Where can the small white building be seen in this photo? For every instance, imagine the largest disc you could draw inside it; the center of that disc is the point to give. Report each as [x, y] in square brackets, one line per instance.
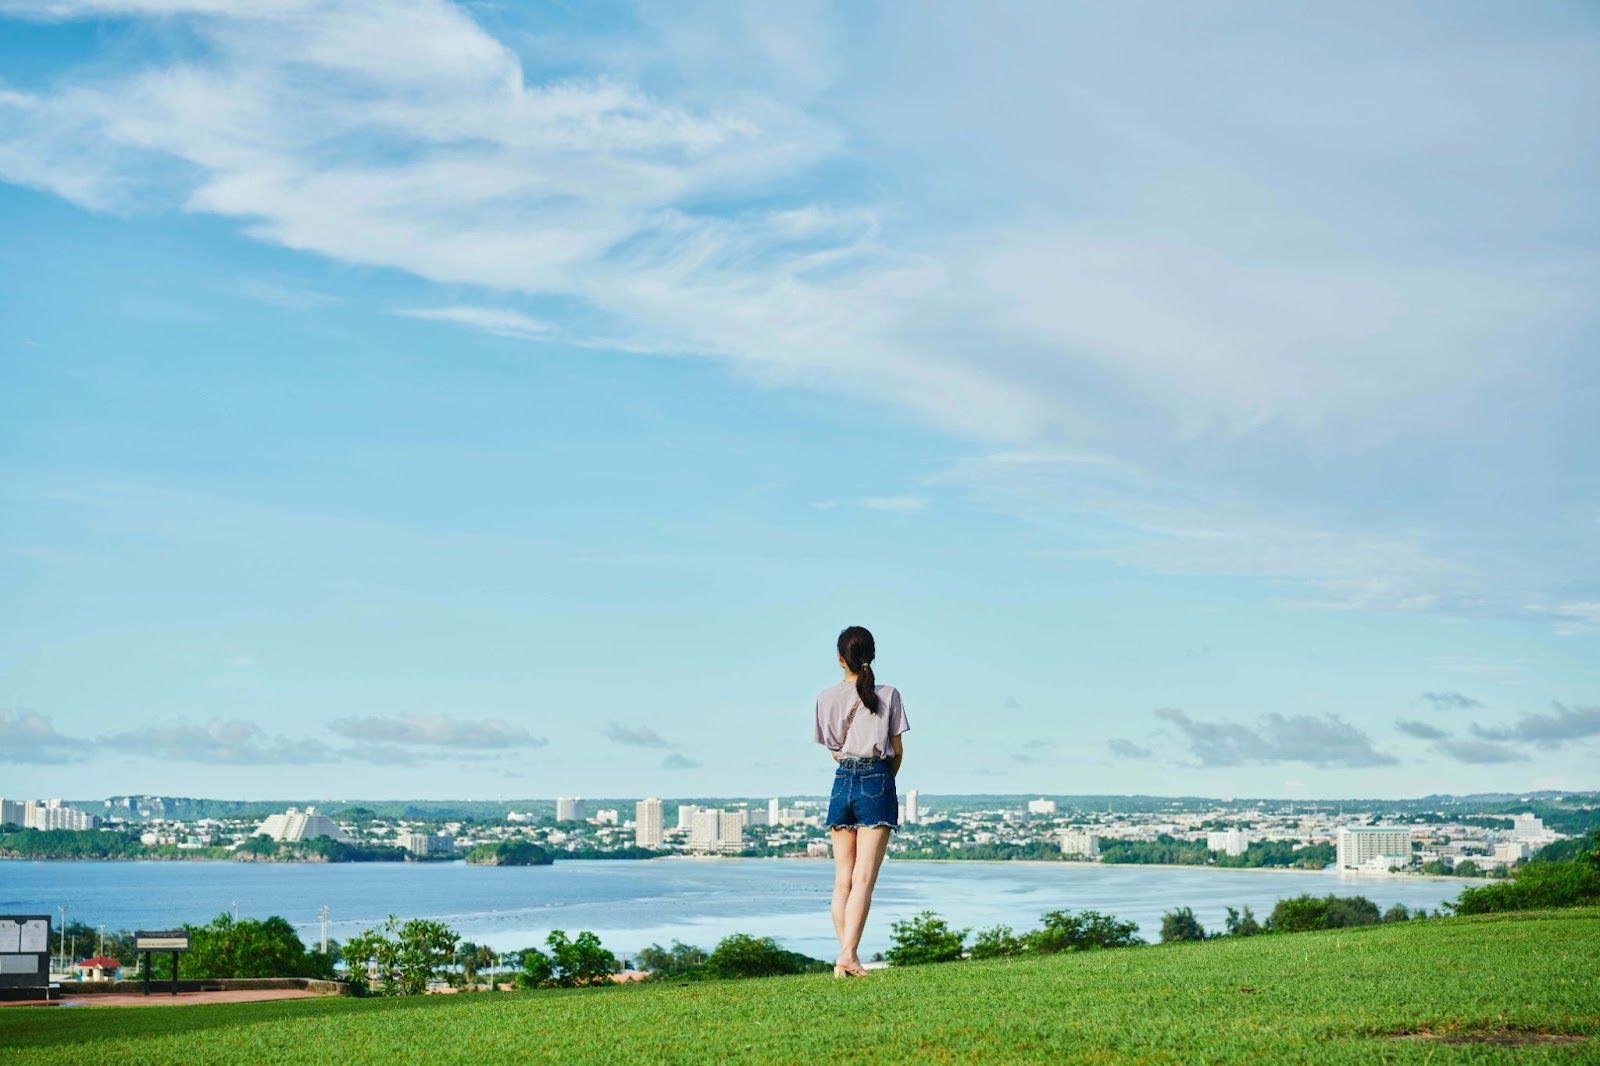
[425, 844]
[570, 809]
[716, 831]
[1228, 841]
[913, 808]
[1041, 806]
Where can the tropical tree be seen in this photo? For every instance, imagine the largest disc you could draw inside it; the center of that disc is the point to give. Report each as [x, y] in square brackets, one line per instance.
[401, 958]
[579, 962]
[1065, 931]
[250, 947]
[680, 960]
[740, 955]
[1181, 924]
[925, 938]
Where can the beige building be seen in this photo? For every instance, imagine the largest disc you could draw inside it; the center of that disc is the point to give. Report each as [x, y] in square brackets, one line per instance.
[647, 831]
[1375, 847]
[295, 824]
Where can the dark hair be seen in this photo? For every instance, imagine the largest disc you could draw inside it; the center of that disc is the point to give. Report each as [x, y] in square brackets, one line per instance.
[858, 651]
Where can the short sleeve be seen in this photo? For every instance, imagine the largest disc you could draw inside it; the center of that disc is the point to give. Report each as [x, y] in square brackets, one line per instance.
[897, 715]
[820, 737]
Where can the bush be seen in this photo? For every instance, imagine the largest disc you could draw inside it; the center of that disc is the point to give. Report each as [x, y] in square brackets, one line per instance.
[401, 958]
[250, 948]
[681, 960]
[1347, 912]
[1180, 925]
[1302, 914]
[1397, 913]
[583, 961]
[740, 955]
[536, 971]
[997, 943]
[1242, 924]
[1065, 931]
[923, 939]
[1536, 886]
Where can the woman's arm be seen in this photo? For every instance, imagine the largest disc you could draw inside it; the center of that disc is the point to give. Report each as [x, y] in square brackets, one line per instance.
[899, 753]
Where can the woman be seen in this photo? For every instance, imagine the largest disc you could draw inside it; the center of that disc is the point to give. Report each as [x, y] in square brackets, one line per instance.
[860, 722]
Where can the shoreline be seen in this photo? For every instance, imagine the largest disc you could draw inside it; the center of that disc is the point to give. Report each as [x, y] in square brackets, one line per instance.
[1374, 877]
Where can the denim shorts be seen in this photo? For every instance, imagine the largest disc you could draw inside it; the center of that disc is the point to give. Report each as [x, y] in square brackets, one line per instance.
[863, 795]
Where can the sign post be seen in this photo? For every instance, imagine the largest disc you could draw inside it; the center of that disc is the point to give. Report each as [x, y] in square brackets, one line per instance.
[24, 955]
[171, 942]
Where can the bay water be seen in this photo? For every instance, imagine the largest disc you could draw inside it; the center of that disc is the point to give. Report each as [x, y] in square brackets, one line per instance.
[634, 903]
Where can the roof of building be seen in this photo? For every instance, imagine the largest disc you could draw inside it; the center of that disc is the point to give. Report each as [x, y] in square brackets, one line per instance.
[101, 961]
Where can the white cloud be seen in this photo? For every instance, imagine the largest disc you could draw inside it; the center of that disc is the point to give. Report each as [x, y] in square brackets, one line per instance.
[501, 323]
[897, 504]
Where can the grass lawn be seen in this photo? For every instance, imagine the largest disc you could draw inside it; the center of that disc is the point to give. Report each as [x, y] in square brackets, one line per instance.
[1333, 997]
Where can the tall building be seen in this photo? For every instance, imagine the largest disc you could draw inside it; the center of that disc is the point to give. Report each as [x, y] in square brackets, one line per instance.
[647, 823]
[421, 844]
[13, 812]
[717, 831]
[53, 814]
[1529, 829]
[569, 809]
[1041, 806]
[295, 824]
[913, 807]
[1074, 842]
[1373, 847]
[1229, 841]
[774, 811]
[686, 813]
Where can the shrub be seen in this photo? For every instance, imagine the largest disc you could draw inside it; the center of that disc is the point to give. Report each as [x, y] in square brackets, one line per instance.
[1397, 913]
[1179, 925]
[740, 955]
[1536, 886]
[680, 960]
[401, 958]
[1345, 912]
[250, 948]
[579, 962]
[1242, 924]
[924, 938]
[1298, 914]
[1065, 931]
[997, 943]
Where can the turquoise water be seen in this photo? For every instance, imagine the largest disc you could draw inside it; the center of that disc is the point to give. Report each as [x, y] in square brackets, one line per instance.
[631, 904]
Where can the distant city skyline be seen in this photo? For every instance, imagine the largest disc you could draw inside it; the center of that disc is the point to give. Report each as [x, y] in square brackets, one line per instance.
[444, 400]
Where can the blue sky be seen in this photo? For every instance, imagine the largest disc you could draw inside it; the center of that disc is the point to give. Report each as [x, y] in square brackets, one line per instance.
[410, 398]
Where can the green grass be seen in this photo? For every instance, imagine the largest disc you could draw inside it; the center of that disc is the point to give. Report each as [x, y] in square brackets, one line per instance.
[1331, 997]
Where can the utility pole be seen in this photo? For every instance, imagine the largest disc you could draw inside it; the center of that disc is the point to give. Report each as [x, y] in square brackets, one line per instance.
[102, 950]
[63, 910]
[236, 911]
[322, 916]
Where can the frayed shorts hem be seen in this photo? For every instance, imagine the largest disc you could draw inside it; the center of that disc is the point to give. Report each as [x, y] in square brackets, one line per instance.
[892, 827]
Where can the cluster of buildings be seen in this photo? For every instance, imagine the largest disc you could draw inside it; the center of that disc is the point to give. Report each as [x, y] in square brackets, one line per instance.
[45, 814]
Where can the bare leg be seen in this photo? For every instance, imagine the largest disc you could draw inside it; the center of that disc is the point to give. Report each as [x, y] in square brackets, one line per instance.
[870, 847]
[844, 862]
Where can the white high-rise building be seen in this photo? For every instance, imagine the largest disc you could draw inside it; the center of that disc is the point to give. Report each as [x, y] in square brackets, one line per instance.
[295, 824]
[54, 814]
[421, 844]
[1229, 841]
[686, 813]
[1041, 806]
[647, 823]
[913, 807]
[715, 830]
[569, 809]
[1374, 847]
[608, 816]
[14, 812]
[1529, 829]
[1075, 842]
[774, 811]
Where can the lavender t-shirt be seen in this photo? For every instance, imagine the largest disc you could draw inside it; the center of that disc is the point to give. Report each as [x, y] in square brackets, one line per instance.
[869, 733]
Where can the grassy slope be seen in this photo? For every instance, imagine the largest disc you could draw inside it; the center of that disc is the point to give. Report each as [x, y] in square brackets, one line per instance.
[1312, 997]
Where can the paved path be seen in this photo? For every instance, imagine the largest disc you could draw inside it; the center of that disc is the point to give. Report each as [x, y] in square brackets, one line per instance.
[182, 999]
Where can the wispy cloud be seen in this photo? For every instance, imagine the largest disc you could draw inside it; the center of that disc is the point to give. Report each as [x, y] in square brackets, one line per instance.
[31, 737]
[231, 742]
[499, 322]
[1421, 730]
[677, 761]
[1478, 752]
[1450, 701]
[1550, 730]
[898, 504]
[1127, 749]
[436, 731]
[1325, 741]
[637, 737]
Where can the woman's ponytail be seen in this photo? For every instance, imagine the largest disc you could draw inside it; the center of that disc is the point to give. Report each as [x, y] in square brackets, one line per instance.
[857, 649]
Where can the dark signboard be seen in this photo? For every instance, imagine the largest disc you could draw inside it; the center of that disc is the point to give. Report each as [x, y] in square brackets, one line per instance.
[25, 952]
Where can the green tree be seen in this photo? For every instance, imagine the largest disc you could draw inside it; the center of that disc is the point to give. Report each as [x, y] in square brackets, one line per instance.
[924, 938]
[1536, 886]
[1397, 913]
[250, 947]
[997, 943]
[579, 962]
[1242, 924]
[740, 955]
[536, 971]
[1181, 924]
[680, 960]
[1065, 931]
[1467, 868]
[402, 958]
[1298, 914]
[1346, 912]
